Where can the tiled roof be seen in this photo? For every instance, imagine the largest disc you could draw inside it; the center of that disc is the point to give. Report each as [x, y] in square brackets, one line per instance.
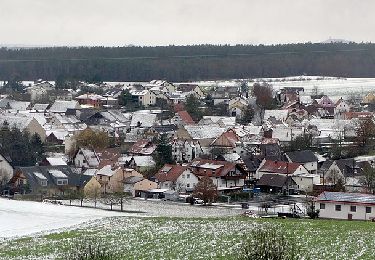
[185, 117]
[280, 167]
[143, 146]
[302, 156]
[204, 167]
[170, 172]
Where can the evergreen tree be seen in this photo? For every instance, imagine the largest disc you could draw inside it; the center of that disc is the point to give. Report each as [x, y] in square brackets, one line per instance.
[192, 106]
[163, 153]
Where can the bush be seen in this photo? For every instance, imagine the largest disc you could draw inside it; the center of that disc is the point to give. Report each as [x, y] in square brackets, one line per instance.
[268, 243]
[91, 250]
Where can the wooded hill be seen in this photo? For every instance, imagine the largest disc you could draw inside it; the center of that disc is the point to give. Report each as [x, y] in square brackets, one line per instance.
[185, 63]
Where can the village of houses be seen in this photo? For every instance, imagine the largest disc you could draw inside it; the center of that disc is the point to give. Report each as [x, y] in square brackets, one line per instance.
[240, 158]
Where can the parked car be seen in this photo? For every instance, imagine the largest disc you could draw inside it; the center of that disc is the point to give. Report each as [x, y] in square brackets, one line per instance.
[198, 201]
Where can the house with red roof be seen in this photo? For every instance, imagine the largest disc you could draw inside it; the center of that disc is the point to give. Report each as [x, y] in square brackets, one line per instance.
[142, 147]
[227, 140]
[176, 177]
[225, 175]
[183, 118]
[304, 181]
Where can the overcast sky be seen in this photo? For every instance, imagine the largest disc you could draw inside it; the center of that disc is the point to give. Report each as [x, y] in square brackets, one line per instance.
[182, 22]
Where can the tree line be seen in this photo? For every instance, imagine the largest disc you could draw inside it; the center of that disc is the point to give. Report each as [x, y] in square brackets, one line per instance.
[185, 63]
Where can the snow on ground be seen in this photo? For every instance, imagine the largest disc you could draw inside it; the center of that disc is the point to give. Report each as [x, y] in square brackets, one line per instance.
[331, 86]
[19, 218]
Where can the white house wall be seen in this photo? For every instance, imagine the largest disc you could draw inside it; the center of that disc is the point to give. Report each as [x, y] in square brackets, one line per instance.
[330, 211]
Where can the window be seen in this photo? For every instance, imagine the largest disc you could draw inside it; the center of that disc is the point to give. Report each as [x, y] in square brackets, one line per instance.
[188, 185]
[368, 209]
[43, 183]
[353, 208]
[183, 176]
[188, 176]
[322, 206]
[338, 207]
[62, 182]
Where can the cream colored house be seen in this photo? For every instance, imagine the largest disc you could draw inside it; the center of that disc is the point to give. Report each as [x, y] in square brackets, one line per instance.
[145, 97]
[92, 188]
[136, 184]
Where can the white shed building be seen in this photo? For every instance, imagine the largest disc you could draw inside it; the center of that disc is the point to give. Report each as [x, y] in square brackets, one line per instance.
[344, 205]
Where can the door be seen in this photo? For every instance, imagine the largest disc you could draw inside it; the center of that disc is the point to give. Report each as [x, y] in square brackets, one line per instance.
[350, 216]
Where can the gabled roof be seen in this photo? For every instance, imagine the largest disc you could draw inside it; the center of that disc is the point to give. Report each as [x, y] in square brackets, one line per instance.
[109, 156]
[143, 147]
[204, 167]
[204, 131]
[61, 106]
[133, 179]
[272, 180]
[279, 167]
[40, 107]
[90, 156]
[226, 139]
[36, 174]
[170, 172]
[145, 119]
[185, 117]
[21, 122]
[302, 156]
[55, 161]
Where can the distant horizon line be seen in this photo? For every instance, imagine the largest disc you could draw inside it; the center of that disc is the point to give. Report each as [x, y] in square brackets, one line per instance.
[31, 46]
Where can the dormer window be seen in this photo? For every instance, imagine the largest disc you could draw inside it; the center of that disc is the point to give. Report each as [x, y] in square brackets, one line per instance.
[61, 182]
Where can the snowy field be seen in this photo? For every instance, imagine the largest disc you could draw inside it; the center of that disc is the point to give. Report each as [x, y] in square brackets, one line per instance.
[19, 218]
[337, 87]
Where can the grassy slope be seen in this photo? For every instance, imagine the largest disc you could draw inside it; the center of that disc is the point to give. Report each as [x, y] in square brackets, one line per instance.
[178, 238]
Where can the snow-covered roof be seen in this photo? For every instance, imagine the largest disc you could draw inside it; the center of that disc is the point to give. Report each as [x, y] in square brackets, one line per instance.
[144, 118]
[56, 161]
[277, 114]
[57, 174]
[40, 176]
[40, 107]
[106, 171]
[61, 106]
[19, 121]
[90, 172]
[14, 104]
[60, 134]
[204, 131]
[286, 134]
[225, 120]
[141, 161]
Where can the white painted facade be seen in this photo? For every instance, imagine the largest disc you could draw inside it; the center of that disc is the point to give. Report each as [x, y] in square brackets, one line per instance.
[6, 171]
[186, 181]
[223, 183]
[341, 108]
[339, 210]
[186, 151]
[306, 182]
